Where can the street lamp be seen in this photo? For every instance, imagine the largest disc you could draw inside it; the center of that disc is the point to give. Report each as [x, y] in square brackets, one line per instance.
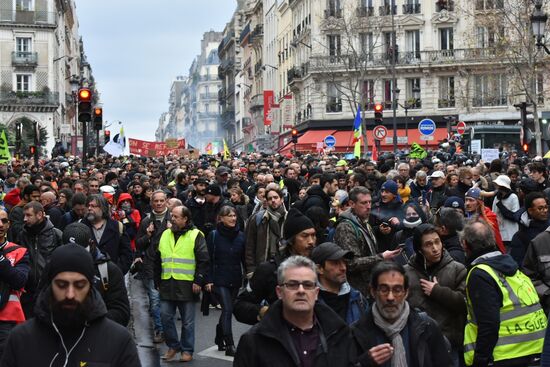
[74, 81]
[538, 22]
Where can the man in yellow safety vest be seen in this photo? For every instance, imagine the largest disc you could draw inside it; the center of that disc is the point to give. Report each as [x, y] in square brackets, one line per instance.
[506, 324]
[180, 273]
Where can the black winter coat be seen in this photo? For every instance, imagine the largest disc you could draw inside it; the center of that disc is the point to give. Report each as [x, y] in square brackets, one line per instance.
[316, 197]
[103, 343]
[269, 344]
[147, 246]
[114, 244]
[454, 248]
[115, 295]
[427, 346]
[226, 257]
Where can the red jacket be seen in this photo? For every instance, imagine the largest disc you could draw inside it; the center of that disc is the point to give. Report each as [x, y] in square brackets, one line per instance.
[493, 221]
[131, 221]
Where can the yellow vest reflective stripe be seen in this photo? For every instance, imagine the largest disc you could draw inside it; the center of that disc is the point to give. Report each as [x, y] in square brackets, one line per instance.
[522, 320]
[178, 259]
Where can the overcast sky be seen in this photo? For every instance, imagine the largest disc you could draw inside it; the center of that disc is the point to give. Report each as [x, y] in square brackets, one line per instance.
[137, 47]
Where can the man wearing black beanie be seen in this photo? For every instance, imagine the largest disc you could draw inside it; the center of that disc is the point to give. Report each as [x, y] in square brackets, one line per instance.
[299, 238]
[70, 326]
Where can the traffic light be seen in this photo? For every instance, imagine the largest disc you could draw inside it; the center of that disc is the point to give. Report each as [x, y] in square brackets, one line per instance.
[378, 114]
[98, 118]
[32, 150]
[84, 105]
[107, 136]
[525, 148]
[294, 136]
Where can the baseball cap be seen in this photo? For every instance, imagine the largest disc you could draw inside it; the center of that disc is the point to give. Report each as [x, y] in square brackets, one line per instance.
[437, 174]
[473, 193]
[214, 190]
[454, 202]
[329, 251]
[222, 170]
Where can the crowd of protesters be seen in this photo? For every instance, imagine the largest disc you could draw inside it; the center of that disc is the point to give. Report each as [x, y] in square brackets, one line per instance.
[442, 260]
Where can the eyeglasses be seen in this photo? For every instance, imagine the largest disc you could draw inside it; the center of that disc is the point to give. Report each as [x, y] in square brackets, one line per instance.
[294, 285]
[385, 290]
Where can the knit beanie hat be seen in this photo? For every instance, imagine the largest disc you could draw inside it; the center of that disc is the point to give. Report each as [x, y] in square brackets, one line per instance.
[77, 233]
[110, 176]
[71, 258]
[295, 223]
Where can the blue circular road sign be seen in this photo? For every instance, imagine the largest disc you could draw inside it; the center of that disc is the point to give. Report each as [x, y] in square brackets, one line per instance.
[330, 141]
[426, 127]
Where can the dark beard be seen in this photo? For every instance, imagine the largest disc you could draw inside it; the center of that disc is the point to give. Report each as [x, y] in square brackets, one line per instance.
[69, 314]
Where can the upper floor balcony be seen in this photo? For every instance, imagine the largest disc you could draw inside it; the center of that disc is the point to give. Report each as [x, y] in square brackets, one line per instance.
[35, 101]
[211, 96]
[335, 13]
[26, 17]
[19, 58]
[388, 10]
[257, 102]
[326, 63]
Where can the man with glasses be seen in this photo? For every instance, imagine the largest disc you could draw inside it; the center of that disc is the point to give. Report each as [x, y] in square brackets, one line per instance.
[297, 330]
[533, 220]
[392, 332]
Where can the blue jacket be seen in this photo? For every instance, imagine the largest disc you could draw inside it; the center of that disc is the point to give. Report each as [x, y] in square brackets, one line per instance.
[226, 259]
[357, 304]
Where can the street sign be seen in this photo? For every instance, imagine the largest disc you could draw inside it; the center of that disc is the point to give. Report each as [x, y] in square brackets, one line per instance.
[426, 127]
[426, 137]
[461, 127]
[379, 132]
[330, 141]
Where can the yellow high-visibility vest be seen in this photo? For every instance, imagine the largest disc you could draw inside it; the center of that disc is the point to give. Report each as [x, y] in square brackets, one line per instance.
[522, 320]
[178, 258]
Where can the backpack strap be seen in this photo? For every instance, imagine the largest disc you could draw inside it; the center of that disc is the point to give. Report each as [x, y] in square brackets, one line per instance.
[354, 226]
[104, 275]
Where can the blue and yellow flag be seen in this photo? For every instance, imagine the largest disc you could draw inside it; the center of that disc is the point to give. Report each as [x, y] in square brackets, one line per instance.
[357, 134]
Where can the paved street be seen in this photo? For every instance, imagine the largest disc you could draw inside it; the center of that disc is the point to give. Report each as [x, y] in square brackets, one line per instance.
[206, 352]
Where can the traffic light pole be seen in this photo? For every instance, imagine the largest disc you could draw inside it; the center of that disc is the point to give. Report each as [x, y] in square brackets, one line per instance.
[35, 124]
[97, 143]
[84, 141]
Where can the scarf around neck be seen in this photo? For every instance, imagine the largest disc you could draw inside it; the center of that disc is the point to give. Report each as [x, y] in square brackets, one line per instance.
[393, 332]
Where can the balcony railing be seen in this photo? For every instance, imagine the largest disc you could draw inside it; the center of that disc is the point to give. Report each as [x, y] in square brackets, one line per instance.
[336, 13]
[387, 10]
[490, 101]
[384, 59]
[19, 58]
[209, 77]
[411, 8]
[228, 117]
[221, 95]
[208, 115]
[44, 18]
[293, 75]
[446, 103]
[365, 11]
[257, 102]
[29, 98]
[208, 96]
[257, 33]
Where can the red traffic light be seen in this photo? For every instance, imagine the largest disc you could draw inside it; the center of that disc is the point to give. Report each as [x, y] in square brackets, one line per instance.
[32, 149]
[526, 147]
[107, 133]
[98, 111]
[84, 95]
[294, 132]
[378, 107]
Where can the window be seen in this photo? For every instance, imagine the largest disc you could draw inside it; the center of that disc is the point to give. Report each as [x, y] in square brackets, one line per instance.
[446, 38]
[446, 92]
[25, 5]
[368, 94]
[412, 39]
[367, 45]
[334, 46]
[206, 108]
[390, 51]
[23, 44]
[334, 99]
[413, 93]
[388, 8]
[490, 90]
[411, 7]
[388, 95]
[23, 82]
[489, 4]
[487, 37]
[333, 9]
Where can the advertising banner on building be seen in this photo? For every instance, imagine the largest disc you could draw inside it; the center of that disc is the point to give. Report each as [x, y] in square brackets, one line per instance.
[288, 122]
[268, 105]
[155, 148]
